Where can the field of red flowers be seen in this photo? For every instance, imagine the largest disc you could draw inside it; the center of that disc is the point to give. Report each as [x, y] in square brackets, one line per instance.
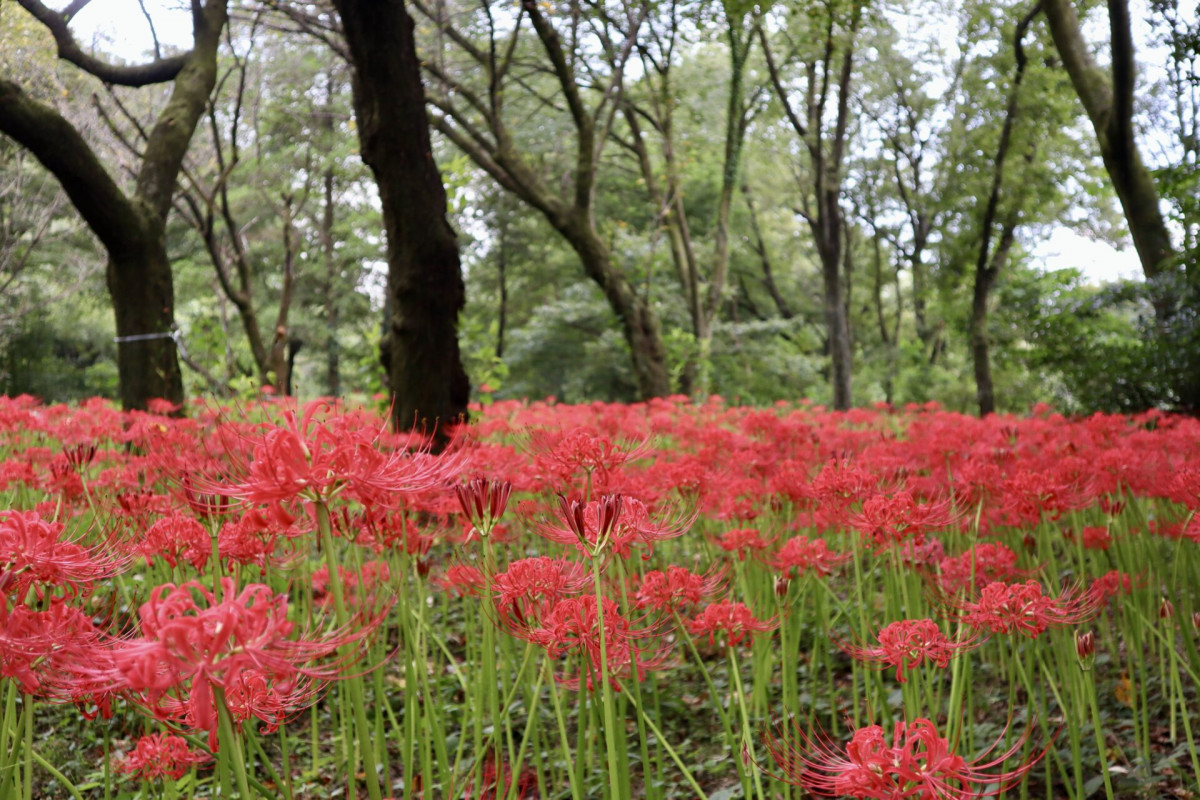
[654, 601]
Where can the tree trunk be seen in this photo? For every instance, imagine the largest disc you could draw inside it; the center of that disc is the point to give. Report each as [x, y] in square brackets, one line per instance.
[1109, 106]
[639, 323]
[143, 298]
[132, 229]
[988, 263]
[425, 373]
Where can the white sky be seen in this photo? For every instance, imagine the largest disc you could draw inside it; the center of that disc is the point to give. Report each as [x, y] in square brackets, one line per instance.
[118, 26]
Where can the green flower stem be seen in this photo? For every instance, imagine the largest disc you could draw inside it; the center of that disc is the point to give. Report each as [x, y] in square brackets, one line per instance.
[747, 740]
[1098, 732]
[231, 755]
[363, 743]
[687, 774]
[564, 741]
[617, 788]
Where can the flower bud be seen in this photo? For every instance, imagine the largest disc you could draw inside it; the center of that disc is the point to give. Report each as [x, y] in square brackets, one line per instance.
[1166, 610]
[782, 584]
[1085, 649]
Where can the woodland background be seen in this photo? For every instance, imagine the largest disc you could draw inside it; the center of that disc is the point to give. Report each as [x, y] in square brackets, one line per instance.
[825, 199]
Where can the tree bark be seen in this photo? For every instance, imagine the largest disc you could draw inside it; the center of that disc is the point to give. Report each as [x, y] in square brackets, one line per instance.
[988, 264]
[429, 386]
[474, 122]
[131, 228]
[1109, 106]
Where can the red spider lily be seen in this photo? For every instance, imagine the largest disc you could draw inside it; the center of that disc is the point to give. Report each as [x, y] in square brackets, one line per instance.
[531, 587]
[586, 526]
[80, 455]
[463, 580]
[677, 589]
[1096, 537]
[318, 458]
[571, 628]
[177, 537]
[188, 649]
[1111, 584]
[359, 588]
[732, 621]
[894, 519]
[44, 650]
[563, 455]
[800, 554]
[160, 755]
[612, 524]
[494, 771]
[977, 567]
[743, 541]
[918, 763]
[909, 643]
[483, 502]
[1023, 608]
[35, 556]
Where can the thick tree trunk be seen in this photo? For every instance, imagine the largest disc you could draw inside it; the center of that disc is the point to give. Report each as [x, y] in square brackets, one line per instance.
[132, 229]
[425, 373]
[143, 298]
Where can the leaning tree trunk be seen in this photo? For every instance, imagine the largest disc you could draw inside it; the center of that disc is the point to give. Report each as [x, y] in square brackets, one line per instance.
[425, 373]
[132, 228]
[639, 323]
[1109, 106]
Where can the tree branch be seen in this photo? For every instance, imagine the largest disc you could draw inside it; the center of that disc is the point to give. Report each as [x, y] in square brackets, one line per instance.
[160, 70]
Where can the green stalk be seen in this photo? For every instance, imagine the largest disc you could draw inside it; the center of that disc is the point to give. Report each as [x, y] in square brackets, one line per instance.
[364, 742]
[1098, 732]
[564, 741]
[618, 790]
[687, 774]
[747, 741]
[232, 747]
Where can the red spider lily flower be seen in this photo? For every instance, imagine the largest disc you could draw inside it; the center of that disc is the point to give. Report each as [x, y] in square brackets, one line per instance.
[463, 580]
[562, 455]
[80, 455]
[1111, 584]
[1095, 537]
[909, 643]
[977, 567]
[677, 589]
[586, 526]
[160, 755]
[177, 537]
[483, 502]
[1085, 649]
[637, 526]
[358, 588]
[493, 773]
[189, 649]
[530, 587]
[894, 519]
[733, 621]
[917, 763]
[35, 556]
[318, 458]
[800, 554]
[571, 629]
[743, 541]
[1023, 608]
[52, 653]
